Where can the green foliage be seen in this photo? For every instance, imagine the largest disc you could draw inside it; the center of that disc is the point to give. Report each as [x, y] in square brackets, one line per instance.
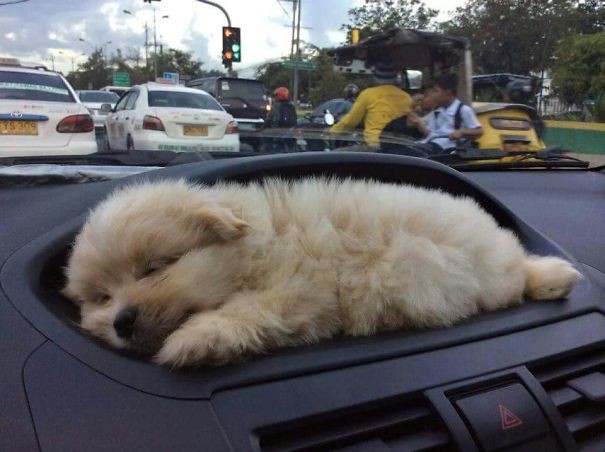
[520, 36]
[579, 69]
[96, 72]
[325, 82]
[318, 85]
[380, 15]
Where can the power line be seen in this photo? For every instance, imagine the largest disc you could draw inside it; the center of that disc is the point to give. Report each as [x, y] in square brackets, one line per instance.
[14, 2]
[283, 9]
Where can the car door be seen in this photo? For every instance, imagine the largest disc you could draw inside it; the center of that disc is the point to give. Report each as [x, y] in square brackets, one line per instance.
[114, 126]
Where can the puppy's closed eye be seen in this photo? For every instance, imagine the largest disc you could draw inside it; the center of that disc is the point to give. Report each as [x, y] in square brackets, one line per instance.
[103, 298]
[156, 265]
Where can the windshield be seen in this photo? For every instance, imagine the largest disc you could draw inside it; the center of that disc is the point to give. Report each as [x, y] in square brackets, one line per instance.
[27, 86]
[242, 89]
[98, 97]
[514, 83]
[181, 100]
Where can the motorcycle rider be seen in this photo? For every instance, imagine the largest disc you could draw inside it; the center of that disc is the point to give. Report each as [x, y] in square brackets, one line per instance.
[350, 93]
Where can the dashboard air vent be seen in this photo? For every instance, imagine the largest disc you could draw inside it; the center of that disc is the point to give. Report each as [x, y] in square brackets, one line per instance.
[576, 386]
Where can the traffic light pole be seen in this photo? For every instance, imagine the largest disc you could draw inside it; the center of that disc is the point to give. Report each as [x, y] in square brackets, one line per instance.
[216, 5]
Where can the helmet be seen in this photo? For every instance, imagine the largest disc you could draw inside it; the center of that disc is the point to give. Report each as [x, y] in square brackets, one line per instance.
[282, 93]
[351, 90]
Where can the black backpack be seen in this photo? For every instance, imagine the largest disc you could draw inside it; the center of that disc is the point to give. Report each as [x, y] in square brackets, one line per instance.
[286, 115]
[458, 116]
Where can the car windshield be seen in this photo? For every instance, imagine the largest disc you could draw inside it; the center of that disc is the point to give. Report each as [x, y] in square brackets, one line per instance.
[181, 99]
[36, 87]
[241, 89]
[473, 84]
[99, 97]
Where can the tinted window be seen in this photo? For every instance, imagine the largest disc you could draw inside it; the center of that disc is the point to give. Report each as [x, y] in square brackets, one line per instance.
[43, 87]
[243, 89]
[102, 97]
[132, 98]
[182, 99]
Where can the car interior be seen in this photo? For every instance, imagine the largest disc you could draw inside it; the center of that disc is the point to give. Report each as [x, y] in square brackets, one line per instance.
[542, 363]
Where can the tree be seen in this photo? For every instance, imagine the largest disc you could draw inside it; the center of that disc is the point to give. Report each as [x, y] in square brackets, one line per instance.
[93, 73]
[379, 15]
[579, 68]
[520, 36]
[178, 61]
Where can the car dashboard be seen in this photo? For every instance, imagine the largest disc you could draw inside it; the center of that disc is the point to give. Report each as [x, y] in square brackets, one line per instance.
[525, 378]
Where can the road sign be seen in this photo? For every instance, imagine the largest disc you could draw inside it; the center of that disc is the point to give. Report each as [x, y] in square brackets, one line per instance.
[300, 65]
[121, 79]
[173, 76]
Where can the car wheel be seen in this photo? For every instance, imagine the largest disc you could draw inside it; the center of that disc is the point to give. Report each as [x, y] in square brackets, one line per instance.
[129, 143]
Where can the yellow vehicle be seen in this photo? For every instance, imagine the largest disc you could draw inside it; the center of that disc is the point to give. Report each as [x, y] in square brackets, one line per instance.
[508, 127]
[512, 131]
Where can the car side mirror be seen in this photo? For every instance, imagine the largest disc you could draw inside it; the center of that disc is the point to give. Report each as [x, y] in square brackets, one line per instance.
[106, 108]
[329, 118]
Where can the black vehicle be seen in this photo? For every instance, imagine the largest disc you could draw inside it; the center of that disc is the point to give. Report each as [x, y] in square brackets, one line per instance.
[508, 88]
[316, 117]
[244, 99]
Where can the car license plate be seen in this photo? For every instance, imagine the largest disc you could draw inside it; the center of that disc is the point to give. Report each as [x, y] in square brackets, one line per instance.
[195, 131]
[18, 128]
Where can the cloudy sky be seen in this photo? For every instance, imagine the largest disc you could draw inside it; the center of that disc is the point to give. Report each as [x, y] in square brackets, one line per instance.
[40, 29]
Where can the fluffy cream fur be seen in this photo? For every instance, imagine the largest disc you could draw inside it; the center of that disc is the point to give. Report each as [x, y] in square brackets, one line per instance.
[217, 273]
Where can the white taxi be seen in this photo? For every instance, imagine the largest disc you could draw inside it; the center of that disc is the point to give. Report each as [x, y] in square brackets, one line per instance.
[162, 117]
[40, 114]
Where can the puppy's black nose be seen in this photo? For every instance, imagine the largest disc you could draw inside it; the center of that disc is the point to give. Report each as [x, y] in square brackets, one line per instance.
[124, 322]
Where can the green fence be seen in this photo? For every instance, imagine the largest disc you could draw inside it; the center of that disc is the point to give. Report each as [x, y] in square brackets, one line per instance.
[583, 137]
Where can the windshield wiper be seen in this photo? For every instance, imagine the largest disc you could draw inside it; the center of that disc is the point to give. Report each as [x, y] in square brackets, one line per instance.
[466, 159]
[129, 158]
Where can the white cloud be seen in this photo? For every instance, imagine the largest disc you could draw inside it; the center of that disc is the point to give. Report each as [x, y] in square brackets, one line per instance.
[190, 26]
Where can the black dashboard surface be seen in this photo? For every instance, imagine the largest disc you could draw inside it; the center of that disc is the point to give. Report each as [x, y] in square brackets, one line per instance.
[57, 384]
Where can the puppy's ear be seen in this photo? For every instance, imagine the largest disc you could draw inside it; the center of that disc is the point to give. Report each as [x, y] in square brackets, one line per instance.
[222, 221]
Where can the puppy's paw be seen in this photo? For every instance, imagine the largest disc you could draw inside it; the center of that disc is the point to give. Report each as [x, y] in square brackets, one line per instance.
[550, 278]
[200, 343]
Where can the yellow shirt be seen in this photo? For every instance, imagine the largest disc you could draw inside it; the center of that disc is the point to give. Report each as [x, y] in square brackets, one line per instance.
[376, 106]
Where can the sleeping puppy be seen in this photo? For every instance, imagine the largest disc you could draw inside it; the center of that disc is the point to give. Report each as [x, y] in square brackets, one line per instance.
[198, 275]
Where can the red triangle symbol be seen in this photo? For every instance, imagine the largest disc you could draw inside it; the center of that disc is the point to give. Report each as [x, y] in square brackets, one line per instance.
[508, 419]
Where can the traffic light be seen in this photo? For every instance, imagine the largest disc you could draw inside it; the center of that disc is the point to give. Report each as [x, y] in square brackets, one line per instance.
[355, 35]
[232, 46]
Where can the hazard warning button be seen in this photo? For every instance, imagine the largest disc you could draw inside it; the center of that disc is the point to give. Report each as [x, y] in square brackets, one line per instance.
[503, 417]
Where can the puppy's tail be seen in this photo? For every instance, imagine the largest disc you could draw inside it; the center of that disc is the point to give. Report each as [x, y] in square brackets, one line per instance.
[549, 278]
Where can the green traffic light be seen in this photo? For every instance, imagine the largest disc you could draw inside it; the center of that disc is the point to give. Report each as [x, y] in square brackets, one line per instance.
[235, 47]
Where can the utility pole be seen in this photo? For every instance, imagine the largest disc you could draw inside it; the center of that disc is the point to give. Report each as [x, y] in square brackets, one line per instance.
[155, 49]
[298, 55]
[146, 45]
[293, 29]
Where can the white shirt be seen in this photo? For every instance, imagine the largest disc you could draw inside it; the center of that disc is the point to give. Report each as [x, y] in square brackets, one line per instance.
[442, 121]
